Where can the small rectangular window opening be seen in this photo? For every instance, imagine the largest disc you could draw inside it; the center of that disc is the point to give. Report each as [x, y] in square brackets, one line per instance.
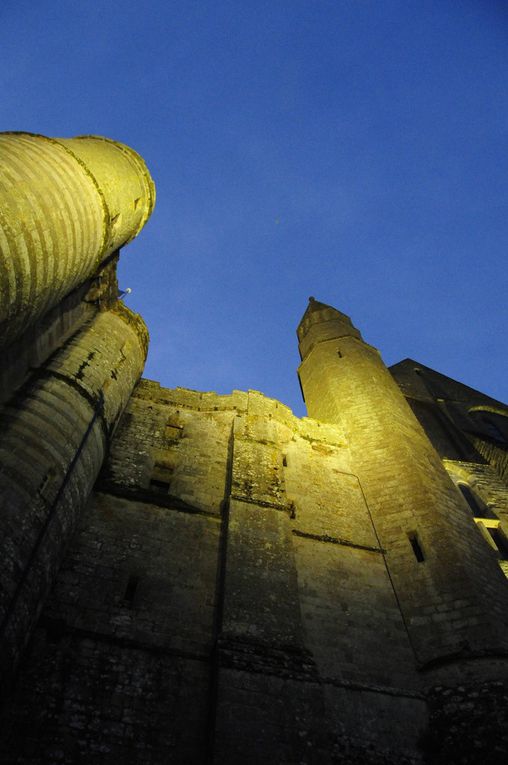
[415, 544]
[159, 487]
[284, 461]
[339, 354]
[160, 480]
[46, 482]
[130, 590]
[173, 432]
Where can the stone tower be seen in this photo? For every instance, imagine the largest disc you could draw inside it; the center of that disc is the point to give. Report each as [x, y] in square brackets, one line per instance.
[71, 352]
[419, 518]
[198, 578]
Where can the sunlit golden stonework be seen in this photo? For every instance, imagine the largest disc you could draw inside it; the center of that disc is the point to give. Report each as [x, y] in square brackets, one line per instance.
[196, 578]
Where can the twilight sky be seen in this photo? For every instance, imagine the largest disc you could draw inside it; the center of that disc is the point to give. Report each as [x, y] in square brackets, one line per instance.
[354, 150]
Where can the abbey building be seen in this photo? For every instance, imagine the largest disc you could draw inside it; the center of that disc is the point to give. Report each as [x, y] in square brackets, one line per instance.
[195, 578]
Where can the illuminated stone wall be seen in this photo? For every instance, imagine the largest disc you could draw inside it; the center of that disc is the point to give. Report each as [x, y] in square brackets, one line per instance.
[71, 353]
[228, 596]
[65, 205]
[54, 437]
[229, 553]
[452, 594]
[189, 577]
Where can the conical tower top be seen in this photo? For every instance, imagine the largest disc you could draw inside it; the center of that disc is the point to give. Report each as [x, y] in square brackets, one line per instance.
[322, 322]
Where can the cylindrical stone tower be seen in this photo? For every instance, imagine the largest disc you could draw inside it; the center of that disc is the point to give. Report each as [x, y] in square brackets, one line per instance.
[71, 351]
[65, 205]
[451, 592]
[54, 436]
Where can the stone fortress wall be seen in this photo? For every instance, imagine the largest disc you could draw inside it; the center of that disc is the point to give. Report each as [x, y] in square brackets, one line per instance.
[195, 578]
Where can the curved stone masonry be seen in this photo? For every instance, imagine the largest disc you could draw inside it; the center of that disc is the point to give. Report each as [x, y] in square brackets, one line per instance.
[455, 603]
[55, 434]
[65, 205]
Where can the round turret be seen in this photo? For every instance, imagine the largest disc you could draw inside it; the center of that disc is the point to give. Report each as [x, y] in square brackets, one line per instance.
[65, 206]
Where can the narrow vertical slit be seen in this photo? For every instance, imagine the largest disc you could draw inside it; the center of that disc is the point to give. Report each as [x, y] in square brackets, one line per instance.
[130, 590]
[415, 544]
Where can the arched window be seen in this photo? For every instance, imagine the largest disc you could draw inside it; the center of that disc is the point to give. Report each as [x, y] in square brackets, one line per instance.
[492, 424]
[478, 509]
[493, 429]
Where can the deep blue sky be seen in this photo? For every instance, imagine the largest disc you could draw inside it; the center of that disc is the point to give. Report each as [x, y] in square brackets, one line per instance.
[354, 150]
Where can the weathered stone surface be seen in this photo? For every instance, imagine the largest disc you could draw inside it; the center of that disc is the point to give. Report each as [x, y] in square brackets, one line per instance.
[457, 595]
[54, 436]
[83, 699]
[65, 205]
[240, 585]
[468, 724]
